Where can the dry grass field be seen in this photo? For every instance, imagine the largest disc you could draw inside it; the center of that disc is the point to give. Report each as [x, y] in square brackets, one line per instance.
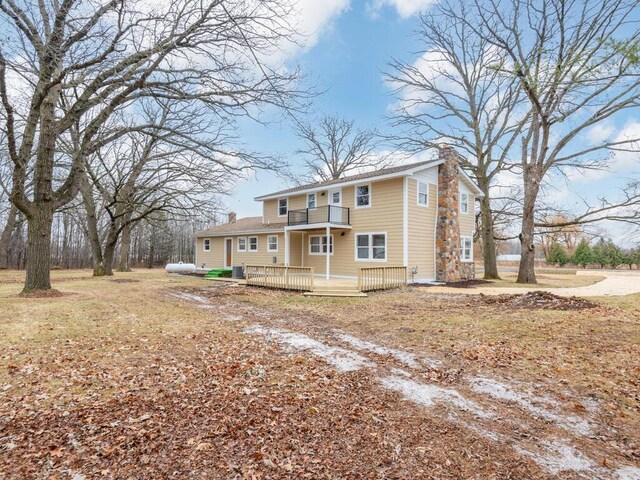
[146, 375]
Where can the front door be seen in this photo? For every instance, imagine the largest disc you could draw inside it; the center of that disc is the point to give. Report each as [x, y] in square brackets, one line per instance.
[335, 200]
[228, 248]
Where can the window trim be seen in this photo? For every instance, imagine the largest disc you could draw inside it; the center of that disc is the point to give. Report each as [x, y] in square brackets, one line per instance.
[249, 244]
[206, 244]
[355, 195]
[370, 247]
[467, 203]
[462, 240]
[418, 182]
[286, 199]
[331, 248]
[269, 249]
[241, 250]
[315, 200]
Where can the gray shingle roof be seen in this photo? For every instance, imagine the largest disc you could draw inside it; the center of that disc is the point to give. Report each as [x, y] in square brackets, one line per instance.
[240, 226]
[351, 178]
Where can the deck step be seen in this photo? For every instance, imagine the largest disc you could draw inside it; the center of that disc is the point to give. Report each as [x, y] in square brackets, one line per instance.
[335, 293]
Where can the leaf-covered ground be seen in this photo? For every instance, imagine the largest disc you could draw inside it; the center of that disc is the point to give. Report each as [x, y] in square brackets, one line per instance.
[171, 377]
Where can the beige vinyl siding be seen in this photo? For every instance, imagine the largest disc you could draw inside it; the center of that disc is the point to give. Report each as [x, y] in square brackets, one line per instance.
[296, 202]
[215, 258]
[421, 229]
[384, 215]
[468, 220]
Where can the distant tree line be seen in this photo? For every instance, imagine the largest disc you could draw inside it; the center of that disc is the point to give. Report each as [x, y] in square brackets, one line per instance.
[604, 253]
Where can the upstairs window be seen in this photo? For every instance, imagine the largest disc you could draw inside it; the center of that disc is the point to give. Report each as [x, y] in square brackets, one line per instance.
[311, 200]
[464, 203]
[242, 244]
[466, 249]
[363, 196]
[283, 207]
[423, 193]
[272, 243]
[206, 244]
[253, 244]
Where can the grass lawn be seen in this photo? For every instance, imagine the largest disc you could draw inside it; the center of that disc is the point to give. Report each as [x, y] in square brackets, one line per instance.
[135, 377]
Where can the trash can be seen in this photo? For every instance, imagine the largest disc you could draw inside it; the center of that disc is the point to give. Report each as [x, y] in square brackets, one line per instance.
[237, 272]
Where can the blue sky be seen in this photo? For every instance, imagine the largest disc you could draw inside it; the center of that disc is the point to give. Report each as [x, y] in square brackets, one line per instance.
[346, 63]
[349, 43]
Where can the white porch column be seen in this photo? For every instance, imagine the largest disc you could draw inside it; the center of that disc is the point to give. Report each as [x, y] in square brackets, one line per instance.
[286, 247]
[328, 252]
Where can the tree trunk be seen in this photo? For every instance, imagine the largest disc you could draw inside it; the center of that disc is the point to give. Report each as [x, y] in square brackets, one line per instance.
[39, 228]
[92, 229]
[5, 238]
[526, 271]
[125, 246]
[110, 248]
[488, 239]
[109, 255]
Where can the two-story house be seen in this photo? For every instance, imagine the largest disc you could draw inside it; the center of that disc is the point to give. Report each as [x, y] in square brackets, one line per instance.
[421, 216]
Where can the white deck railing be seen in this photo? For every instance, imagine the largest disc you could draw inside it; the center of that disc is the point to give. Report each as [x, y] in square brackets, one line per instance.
[278, 276]
[381, 278]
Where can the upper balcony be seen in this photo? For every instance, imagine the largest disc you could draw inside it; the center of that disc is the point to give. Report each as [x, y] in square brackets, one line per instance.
[328, 214]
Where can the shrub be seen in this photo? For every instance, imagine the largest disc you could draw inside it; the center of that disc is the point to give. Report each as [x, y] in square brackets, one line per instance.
[583, 254]
[557, 255]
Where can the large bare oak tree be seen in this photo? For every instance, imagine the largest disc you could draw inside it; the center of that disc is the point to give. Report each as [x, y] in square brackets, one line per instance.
[578, 63]
[455, 93]
[334, 148]
[79, 62]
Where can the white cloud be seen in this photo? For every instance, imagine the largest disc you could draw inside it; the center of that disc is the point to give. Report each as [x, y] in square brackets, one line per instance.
[404, 8]
[310, 19]
[622, 163]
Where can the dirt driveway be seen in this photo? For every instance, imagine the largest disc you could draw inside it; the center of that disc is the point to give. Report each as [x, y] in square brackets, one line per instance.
[558, 435]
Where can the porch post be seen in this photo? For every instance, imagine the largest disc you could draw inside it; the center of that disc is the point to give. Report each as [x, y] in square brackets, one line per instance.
[286, 247]
[328, 252]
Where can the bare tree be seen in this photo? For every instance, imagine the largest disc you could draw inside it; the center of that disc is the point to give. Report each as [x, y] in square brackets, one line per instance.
[577, 62]
[334, 148]
[158, 173]
[455, 93]
[79, 62]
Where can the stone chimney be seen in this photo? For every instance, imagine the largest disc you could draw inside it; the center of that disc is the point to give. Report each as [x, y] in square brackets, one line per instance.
[448, 264]
[232, 217]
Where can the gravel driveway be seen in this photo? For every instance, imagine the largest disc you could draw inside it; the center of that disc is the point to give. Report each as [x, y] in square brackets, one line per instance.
[616, 283]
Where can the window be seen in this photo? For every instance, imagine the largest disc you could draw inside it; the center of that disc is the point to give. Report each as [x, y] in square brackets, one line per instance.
[206, 245]
[242, 244]
[283, 207]
[466, 249]
[318, 245]
[371, 247]
[423, 193]
[335, 198]
[363, 196]
[253, 244]
[272, 243]
[311, 200]
[464, 203]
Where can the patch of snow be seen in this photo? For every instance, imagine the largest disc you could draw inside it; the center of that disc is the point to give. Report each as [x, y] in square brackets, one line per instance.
[197, 299]
[495, 389]
[628, 473]
[342, 359]
[559, 457]
[405, 357]
[399, 371]
[428, 395]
